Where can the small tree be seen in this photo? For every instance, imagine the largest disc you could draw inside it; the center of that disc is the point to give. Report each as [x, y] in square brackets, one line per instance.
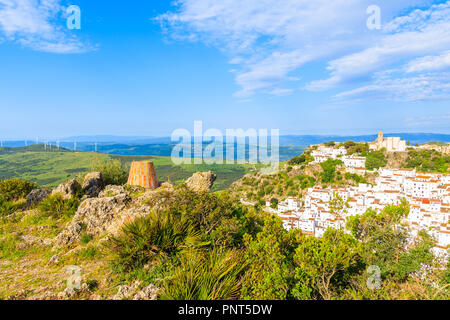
[269, 274]
[273, 203]
[324, 264]
[339, 207]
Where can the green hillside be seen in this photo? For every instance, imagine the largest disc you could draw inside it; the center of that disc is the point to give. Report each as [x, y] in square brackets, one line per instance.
[51, 167]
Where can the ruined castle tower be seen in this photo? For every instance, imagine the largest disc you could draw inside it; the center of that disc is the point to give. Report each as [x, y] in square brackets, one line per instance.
[143, 174]
[380, 137]
[380, 140]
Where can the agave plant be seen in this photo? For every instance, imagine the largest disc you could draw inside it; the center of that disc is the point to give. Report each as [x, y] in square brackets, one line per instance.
[151, 239]
[213, 274]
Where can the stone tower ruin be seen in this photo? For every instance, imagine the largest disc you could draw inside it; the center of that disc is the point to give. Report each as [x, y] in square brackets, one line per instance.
[143, 174]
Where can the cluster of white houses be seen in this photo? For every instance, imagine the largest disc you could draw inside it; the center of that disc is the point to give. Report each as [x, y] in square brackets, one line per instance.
[427, 194]
[353, 163]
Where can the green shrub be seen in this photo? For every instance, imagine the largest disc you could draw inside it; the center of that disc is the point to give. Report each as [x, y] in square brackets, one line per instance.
[375, 159]
[56, 206]
[15, 189]
[9, 207]
[113, 171]
[329, 170]
[150, 238]
[270, 263]
[92, 285]
[211, 275]
[428, 161]
[85, 238]
[88, 253]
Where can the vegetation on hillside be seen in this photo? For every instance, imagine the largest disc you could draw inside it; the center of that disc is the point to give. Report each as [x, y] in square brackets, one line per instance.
[428, 161]
[210, 246]
[259, 259]
[49, 168]
[375, 159]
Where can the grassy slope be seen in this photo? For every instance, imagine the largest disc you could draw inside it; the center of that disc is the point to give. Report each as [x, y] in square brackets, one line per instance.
[49, 168]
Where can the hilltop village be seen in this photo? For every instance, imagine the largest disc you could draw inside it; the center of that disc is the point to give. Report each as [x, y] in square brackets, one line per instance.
[427, 193]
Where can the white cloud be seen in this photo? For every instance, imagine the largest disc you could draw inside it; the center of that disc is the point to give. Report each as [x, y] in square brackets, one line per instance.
[424, 121]
[421, 32]
[429, 63]
[38, 24]
[430, 86]
[268, 41]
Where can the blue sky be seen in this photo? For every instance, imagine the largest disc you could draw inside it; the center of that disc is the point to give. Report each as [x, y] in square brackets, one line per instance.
[148, 67]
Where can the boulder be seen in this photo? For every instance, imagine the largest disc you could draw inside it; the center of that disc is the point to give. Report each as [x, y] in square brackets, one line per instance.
[93, 184]
[68, 189]
[201, 181]
[103, 215]
[36, 196]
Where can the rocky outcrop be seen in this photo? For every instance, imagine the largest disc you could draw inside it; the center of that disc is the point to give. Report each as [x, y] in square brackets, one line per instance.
[103, 215]
[93, 184]
[28, 241]
[36, 196]
[112, 191]
[115, 206]
[68, 189]
[201, 181]
[132, 292]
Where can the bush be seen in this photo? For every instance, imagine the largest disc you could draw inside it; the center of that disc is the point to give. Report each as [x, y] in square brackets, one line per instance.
[150, 238]
[9, 207]
[353, 147]
[325, 264]
[15, 189]
[211, 275]
[375, 160]
[428, 161]
[269, 255]
[56, 206]
[86, 238]
[329, 170]
[113, 171]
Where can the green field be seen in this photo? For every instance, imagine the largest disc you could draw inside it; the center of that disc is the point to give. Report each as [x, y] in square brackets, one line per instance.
[51, 167]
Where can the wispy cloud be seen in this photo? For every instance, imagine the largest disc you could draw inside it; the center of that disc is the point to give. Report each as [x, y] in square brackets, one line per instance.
[423, 121]
[424, 87]
[39, 25]
[422, 32]
[268, 44]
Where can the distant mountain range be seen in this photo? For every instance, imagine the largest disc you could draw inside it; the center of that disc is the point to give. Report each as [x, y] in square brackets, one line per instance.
[290, 145]
[286, 140]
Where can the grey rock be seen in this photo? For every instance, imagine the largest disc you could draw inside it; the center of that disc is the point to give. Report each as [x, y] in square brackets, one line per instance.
[53, 260]
[132, 292]
[112, 191]
[68, 189]
[201, 181]
[93, 184]
[36, 196]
